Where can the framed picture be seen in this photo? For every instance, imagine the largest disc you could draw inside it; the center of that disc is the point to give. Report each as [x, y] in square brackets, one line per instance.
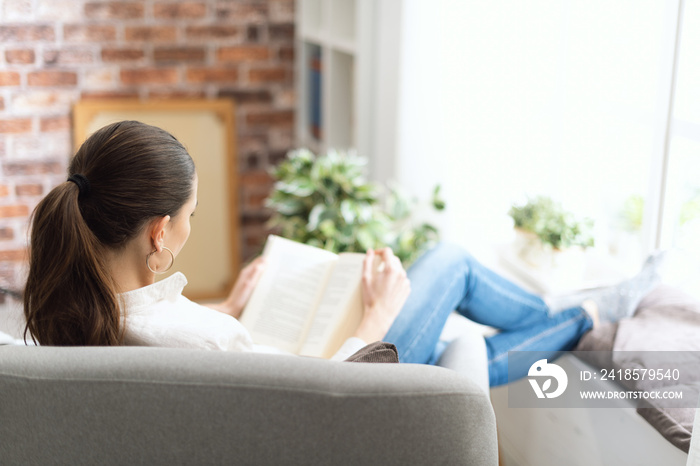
[211, 258]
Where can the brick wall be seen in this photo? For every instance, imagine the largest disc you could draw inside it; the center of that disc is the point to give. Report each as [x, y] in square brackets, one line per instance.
[54, 52]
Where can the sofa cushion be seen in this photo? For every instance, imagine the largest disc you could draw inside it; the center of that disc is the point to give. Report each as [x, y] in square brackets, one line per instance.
[666, 320]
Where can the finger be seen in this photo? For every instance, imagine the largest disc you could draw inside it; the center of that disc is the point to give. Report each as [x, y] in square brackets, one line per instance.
[260, 265]
[386, 256]
[384, 252]
[367, 295]
[256, 262]
[253, 264]
[394, 264]
[367, 266]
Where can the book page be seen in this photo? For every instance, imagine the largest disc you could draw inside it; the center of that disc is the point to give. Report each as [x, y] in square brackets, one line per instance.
[280, 309]
[340, 309]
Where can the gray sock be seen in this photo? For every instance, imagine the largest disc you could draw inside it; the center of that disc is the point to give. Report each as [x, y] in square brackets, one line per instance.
[618, 301]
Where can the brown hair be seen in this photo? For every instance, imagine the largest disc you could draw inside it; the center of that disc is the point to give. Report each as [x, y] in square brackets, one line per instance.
[135, 173]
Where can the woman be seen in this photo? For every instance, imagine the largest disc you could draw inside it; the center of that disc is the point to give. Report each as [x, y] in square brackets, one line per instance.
[98, 240]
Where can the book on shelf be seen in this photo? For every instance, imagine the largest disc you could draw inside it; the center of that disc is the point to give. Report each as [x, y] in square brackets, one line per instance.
[315, 83]
[308, 301]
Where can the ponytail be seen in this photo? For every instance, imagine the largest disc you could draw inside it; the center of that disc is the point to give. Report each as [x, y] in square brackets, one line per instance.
[122, 177]
[70, 298]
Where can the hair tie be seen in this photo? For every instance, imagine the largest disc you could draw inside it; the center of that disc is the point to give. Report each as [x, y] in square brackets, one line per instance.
[82, 182]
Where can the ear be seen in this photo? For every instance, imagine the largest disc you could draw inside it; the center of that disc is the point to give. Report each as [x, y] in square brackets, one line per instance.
[158, 232]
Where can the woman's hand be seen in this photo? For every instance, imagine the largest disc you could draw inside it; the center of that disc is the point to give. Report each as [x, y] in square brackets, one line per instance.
[384, 292]
[242, 289]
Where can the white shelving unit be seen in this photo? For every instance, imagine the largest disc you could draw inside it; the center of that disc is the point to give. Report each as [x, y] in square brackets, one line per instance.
[326, 73]
[352, 46]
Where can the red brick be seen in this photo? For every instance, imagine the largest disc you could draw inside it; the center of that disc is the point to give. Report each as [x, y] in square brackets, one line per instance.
[212, 32]
[20, 56]
[122, 55]
[254, 238]
[149, 76]
[243, 53]
[250, 162]
[15, 255]
[109, 95]
[57, 123]
[179, 54]
[114, 10]
[168, 94]
[276, 157]
[52, 78]
[8, 211]
[286, 53]
[284, 32]
[17, 125]
[271, 118]
[89, 33]
[256, 178]
[244, 12]
[208, 75]
[247, 96]
[4, 190]
[26, 167]
[256, 200]
[151, 33]
[29, 190]
[180, 10]
[267, 75]
[68, 56]
[253, 33]
[7, 234]
[9, 78]
[26, 33]
[252, 143]
[2, 105]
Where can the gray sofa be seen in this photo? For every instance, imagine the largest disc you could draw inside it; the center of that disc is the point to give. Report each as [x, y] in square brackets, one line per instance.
[137, 405]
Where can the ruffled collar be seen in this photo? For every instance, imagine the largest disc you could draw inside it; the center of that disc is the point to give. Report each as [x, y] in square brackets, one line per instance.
[167, 289]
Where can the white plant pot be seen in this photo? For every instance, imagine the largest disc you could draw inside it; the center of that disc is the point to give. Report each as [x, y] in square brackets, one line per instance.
[561, 268]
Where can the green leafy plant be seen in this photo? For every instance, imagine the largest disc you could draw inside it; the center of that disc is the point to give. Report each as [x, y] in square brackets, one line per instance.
[632, 213]
[690, 210]
[326, 202]
[552, 224]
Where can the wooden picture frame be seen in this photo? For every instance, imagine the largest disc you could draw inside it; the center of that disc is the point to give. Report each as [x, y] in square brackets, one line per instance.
[211, 258]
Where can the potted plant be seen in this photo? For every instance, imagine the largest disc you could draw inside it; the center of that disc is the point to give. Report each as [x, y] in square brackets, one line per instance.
[551, 239]
[325, 201]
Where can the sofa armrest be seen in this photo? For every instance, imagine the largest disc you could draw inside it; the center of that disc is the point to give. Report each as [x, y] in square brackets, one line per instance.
[467, 356]
[174, 406]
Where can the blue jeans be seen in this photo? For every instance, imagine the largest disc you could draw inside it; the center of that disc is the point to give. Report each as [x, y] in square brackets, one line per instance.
[447, 278]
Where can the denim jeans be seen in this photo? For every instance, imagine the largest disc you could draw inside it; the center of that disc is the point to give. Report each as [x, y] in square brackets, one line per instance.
[447, 278]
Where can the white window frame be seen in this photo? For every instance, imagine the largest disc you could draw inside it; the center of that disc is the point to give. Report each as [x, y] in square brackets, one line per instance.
[666, 127]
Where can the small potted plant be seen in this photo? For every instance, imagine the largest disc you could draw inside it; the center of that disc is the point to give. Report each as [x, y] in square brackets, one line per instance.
[550, 238]
[326, 202]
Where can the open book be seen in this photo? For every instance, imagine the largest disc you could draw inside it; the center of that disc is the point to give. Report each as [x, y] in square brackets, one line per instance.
[308, 301]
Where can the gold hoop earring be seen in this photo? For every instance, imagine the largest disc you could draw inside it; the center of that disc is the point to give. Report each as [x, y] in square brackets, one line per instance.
[172, 261]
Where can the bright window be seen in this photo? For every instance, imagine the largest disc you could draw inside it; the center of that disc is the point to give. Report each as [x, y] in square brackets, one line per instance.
[500, 100]
[681, 208]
